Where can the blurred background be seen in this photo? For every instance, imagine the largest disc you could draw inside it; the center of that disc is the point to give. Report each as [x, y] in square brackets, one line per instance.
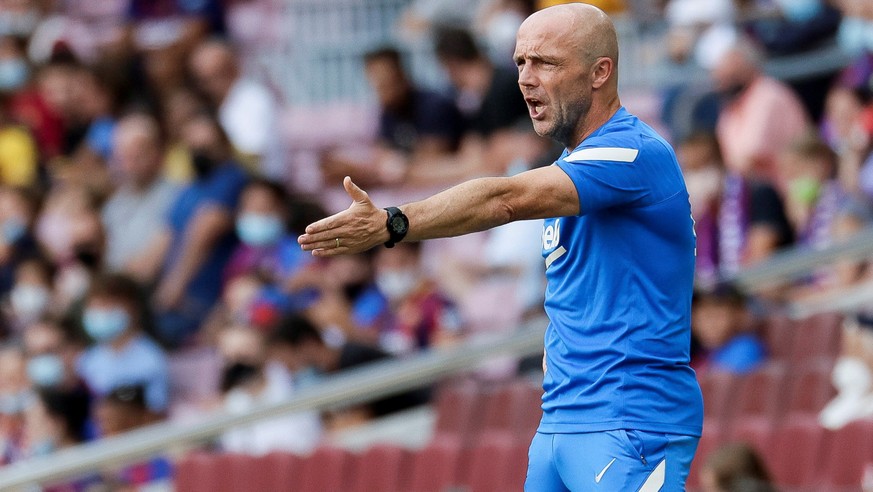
[158, 159]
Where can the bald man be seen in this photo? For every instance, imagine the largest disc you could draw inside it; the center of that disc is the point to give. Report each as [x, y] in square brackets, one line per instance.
[622, 410]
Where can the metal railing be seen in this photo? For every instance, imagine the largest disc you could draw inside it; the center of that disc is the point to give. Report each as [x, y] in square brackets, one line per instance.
[792, 264]
[365, 384]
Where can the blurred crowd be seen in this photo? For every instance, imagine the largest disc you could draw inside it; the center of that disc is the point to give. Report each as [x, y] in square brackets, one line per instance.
[148, 213]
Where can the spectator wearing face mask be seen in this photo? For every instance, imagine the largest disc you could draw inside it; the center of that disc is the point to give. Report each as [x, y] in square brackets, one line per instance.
[411, 313]
[269, 249]
[17, 210]
[31, 296]
[52, 352]
[122, 354]
[198, 238]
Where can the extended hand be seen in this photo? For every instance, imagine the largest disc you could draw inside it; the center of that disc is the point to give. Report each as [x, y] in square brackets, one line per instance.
[356, 229]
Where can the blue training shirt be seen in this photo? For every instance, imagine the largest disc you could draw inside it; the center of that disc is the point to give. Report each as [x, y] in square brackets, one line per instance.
[619, 290]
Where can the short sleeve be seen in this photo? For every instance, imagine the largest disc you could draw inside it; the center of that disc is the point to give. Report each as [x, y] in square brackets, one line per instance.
[623, 175]
[605, 177]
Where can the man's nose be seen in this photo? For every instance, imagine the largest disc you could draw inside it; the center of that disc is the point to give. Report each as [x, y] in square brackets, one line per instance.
[526, 77]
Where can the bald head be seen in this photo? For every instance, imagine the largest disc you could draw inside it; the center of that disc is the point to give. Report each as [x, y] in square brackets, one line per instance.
[584, 28]
[567, 56]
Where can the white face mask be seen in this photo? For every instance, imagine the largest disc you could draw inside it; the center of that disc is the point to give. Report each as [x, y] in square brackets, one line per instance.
[29, 302]
[238, 401]
[703, 185]
[396, 285]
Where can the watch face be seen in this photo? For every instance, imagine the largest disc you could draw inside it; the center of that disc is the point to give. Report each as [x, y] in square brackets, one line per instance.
[398, 225]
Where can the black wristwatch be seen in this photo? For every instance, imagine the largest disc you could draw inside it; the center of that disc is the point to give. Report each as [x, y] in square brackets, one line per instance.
[398, 226]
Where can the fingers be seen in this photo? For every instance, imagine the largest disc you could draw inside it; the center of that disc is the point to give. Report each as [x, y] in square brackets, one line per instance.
[354, 191]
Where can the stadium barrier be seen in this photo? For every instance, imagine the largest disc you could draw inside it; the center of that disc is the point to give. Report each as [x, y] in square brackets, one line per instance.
[355, 386]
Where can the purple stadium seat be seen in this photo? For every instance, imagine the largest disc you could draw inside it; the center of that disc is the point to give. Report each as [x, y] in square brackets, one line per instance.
[851, 451]
[433, 468]
[809, 387]
[797, 452]
[196, 472]
[779, 334]
[719, 391]
[762, 392]
[457, 409]
[514, 408]
[816, 337]
[755, 431]
[378, 469]
[709, 441]
[489, 466]
[282, 470]
[325, 469]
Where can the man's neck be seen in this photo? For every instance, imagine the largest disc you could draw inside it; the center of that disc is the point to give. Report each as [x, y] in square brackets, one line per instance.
[596, 118]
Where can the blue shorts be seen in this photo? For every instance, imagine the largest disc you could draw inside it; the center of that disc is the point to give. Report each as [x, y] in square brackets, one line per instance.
[618, 460]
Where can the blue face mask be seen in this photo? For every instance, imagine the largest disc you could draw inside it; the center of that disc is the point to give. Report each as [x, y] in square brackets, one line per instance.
[105, 325]
[799, 10]
[12, 230]
[259, 230]
[45, 370]
[13, 74]
[855, 36]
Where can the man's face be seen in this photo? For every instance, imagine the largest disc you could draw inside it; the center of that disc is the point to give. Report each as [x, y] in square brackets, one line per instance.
[555, 81]
[388, 82]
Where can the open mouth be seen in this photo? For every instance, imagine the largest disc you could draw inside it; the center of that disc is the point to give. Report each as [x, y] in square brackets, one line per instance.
[535, 107]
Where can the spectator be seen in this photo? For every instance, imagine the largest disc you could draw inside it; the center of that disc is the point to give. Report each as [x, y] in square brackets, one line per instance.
[854, 32]
[198, 239]
[18, 208]
[18, 150]
[760, 116]
[415, 125]
[124, 409]
[115, 318]
[56, 420]
[246, 109]
[735, 468]
[134, 214]
[740, 222]
[721, 324]
[814, 197]
[248, 382]
[31, 297]
[15, 396]
[499, 134]
[297, 344]
[177, 107]
[268, 248]
[415, 314]
[52, 351]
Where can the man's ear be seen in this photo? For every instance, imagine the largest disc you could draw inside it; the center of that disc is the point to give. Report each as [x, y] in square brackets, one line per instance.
[602, 71]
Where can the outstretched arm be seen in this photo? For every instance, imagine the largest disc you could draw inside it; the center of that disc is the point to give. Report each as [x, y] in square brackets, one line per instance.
[472, 206]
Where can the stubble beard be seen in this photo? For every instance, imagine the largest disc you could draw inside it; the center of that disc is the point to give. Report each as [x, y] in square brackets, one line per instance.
[568, 117]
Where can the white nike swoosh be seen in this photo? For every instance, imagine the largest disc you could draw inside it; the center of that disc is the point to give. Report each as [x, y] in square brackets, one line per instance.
[600, 475]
